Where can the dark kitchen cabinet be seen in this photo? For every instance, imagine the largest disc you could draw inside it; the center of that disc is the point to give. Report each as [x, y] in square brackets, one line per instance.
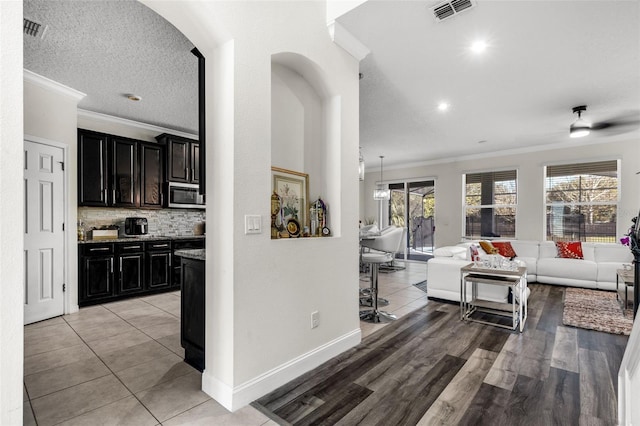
[195, 162]
[192, 312]
[92, 169]
[189, 243]
[183, 158]
[130, 261]
[114, 171]
[96, 273]
[159, 265]
[152, 175]
[124, 173]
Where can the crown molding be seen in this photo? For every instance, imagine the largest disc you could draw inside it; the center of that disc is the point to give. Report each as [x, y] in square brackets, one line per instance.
[44, 82]
[131, 123]
[493, 154]
[347, 41]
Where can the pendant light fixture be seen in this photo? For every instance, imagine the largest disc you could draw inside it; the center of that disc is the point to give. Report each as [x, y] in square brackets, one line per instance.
[381, 193]
[580, 127]
[361, 166]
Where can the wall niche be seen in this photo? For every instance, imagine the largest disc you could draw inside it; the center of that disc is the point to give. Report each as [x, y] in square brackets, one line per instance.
[305, 136]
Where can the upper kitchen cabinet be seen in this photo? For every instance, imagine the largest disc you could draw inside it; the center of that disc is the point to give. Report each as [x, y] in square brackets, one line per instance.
[152, 172]
[124, 172]
[92, 169]
[114, 171]
[183, 158]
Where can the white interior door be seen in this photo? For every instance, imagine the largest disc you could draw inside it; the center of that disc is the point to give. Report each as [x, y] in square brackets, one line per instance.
[43, 231]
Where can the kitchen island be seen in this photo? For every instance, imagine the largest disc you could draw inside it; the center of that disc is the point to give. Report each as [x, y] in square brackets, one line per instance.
[192, 308]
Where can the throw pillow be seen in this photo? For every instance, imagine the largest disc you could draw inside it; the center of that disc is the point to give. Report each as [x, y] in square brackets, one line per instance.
[569, 250]
[488, 247]
[505, 249]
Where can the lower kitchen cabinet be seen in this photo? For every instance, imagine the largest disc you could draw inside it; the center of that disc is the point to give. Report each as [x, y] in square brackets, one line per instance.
[182, 244]
[97, 278]
[131, 273]
[192, 312]
[117, 270]
[130, 267]
[159, 265]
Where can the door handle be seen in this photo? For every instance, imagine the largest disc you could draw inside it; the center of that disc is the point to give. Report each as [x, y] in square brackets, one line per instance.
[114, 195]
[160, 245]
[131, 247]
[111, 265]
[105, 194]
[99, 249]
[192, 174]
[121, 265]
[187, 170]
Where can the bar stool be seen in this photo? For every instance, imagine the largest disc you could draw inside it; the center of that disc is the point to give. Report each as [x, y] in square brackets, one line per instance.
[374, 315]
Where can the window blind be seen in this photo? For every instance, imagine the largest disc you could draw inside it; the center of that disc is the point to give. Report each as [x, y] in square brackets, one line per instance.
[601, 168]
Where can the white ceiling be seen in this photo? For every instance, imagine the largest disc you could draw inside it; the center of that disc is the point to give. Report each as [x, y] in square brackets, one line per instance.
[107, 49]
[544, 57]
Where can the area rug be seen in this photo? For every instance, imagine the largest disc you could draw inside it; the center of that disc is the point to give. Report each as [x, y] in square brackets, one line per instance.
[596, 310]
[422, 285]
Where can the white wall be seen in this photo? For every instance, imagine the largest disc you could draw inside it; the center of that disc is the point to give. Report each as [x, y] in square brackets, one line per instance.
[530, 167]
[287, 120]
[11, 214]
[50, 115]
[261, 292]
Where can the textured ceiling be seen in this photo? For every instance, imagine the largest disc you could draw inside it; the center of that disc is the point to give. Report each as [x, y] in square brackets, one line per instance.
[107, 49]
[543, 58]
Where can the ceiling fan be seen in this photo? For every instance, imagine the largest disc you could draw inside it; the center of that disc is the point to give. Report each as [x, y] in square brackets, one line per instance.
[620, 124]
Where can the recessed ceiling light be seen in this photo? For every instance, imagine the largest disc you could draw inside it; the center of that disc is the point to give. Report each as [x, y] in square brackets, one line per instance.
[443, 106]
[479, 46]
[133, 97]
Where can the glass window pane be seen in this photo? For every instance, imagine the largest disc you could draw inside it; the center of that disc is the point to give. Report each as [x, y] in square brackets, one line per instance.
[581, 201]
[496, 189]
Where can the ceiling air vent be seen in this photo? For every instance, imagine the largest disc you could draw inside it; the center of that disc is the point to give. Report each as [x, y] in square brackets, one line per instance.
[448, 9]
[33, 28]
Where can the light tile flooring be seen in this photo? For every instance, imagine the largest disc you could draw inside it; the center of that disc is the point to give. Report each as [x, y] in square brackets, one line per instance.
[121, 363]
[397, 287]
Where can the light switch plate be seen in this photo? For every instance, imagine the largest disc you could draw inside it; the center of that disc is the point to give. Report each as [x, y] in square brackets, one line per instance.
[252, 224]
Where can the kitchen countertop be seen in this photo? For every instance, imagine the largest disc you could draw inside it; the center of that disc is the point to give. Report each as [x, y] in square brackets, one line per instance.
[144, 238]
[194, 254]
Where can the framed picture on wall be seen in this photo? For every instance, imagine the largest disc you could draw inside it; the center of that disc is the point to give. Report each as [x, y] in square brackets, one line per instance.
[293, 189]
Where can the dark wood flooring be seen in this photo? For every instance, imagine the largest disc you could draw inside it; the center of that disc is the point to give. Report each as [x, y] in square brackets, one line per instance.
[431, 368]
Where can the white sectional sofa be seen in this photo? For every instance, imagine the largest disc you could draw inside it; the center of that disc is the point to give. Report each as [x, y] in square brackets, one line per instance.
[597, 270]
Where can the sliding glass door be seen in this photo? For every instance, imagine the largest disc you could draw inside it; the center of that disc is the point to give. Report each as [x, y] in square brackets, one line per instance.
[412, 206]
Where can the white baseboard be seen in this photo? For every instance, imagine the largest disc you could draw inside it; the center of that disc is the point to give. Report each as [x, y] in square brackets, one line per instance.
[234, 398]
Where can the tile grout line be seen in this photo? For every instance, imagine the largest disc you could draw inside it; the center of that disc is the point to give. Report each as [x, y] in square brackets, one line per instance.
[110, 370]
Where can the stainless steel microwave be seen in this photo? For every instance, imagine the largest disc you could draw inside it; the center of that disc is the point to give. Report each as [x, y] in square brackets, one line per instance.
[185, 196]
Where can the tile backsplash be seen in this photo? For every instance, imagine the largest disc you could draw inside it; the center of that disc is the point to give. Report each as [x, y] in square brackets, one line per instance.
[169, 222]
